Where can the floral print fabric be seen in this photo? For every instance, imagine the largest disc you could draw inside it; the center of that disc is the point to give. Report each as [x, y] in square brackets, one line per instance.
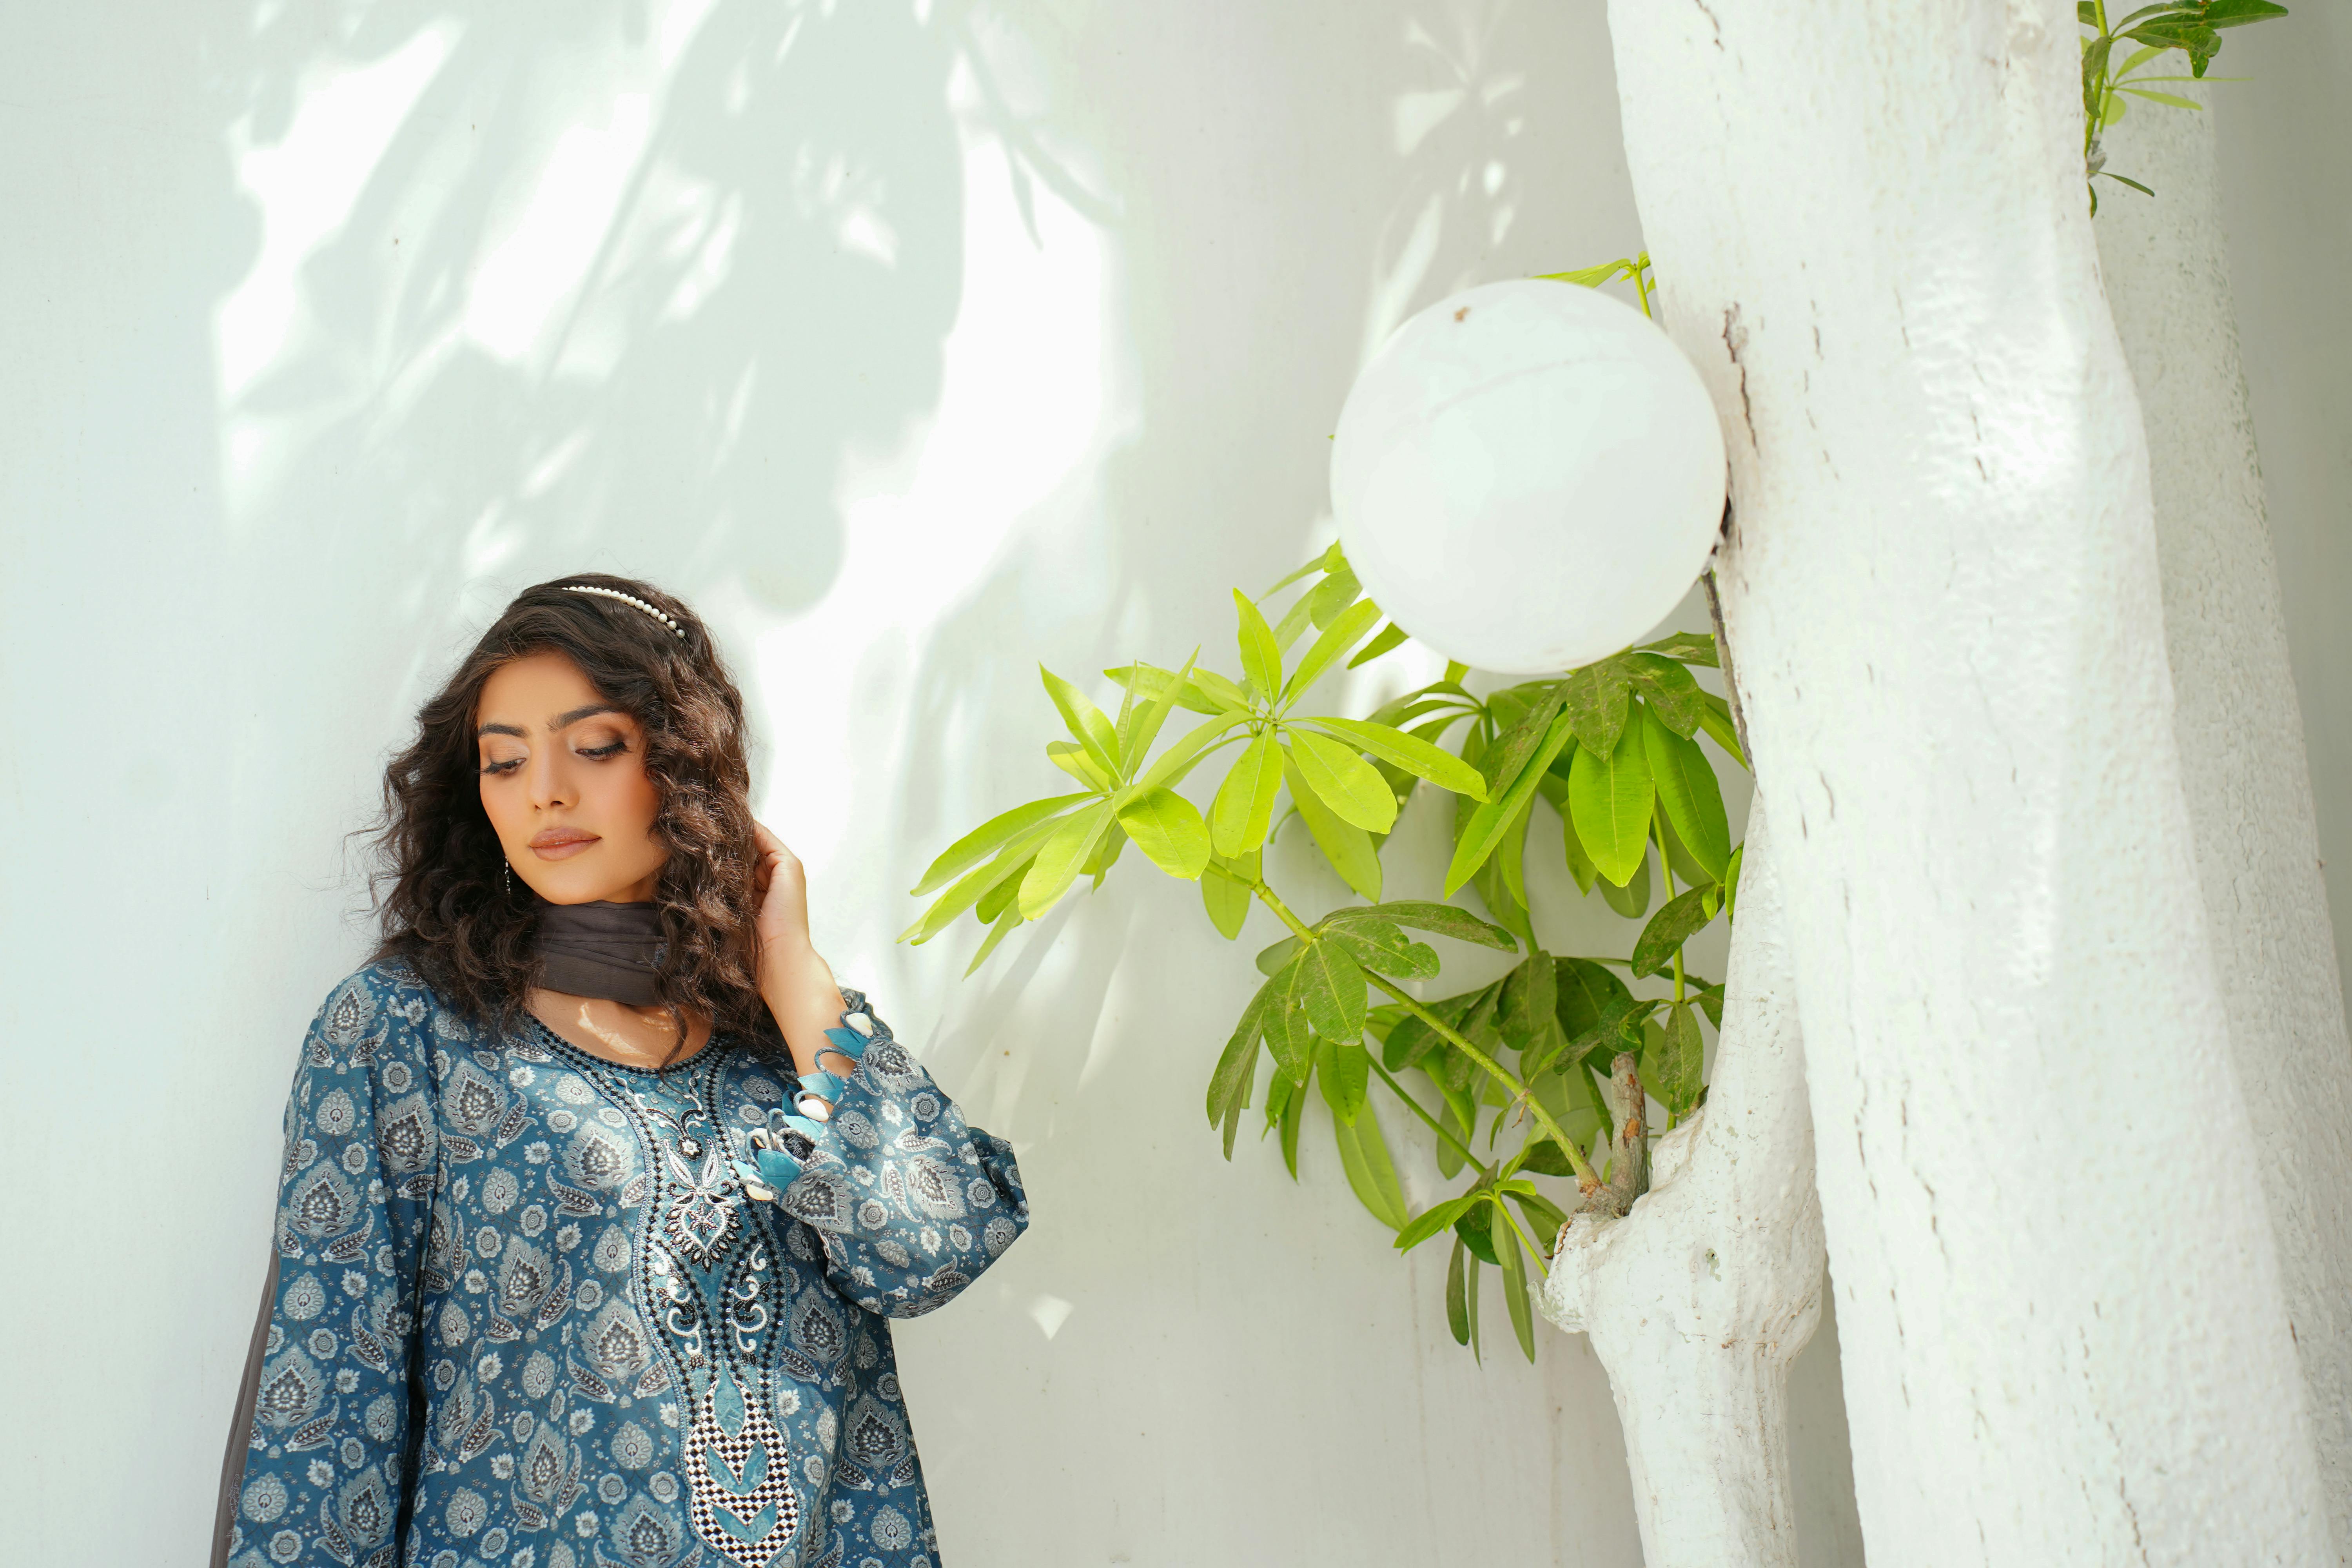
[527, 1314]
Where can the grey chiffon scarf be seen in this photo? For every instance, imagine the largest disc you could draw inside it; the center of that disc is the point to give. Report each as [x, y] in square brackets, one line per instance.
[600, 949]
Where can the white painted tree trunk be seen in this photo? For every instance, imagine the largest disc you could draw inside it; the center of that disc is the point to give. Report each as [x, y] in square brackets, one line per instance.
[2240, 732]
[1700, 1298]
[2061, 1313]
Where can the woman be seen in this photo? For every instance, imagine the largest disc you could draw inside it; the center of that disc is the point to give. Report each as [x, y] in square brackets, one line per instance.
[598, 1192]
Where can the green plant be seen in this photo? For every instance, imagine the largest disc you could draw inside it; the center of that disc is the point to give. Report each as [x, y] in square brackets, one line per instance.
[1608, 751]
[2191, 27]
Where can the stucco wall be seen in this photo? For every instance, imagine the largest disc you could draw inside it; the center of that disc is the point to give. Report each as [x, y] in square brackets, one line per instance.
[914, 345]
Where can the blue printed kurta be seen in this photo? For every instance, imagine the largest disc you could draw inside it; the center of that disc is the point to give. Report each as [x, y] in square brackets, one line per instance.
[527, 1315]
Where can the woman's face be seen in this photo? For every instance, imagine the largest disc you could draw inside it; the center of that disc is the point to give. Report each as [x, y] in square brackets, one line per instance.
[564, 783]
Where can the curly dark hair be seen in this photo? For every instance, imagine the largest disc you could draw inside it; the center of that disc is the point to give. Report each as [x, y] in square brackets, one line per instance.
[444, 903]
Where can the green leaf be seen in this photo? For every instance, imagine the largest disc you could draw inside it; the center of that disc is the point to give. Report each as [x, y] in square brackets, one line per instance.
[1106, 850]
[1681, 917]
[1348, 848]
[1012, 860]
[1364, 1155]
[1439, 920]
[1677, 854]
[1597, 697]
[1331, 560]
[1579, 863]
[1529, 1004]
[987, 838]
[1717, 722]
[1243, 808]
[1342, 633]
[1294, 1116]
[999, 928]
[1591, 276]
[1490, 823]
[1274, 957]
[1693, 800]
[1287, 1034]
[1222, 691]
[1261, 656]
[1675, 1080]
[1059, 858]
[1229, 1085]
[2121, 180]
[1178, 760]
[1544, 1217]
[1391, 635]
[1508, 865]
[1414, 755]
[1457, 1307]
[1150, 681]
[2170, 100]
[1381, 947]
[1294, 621]
[1169, 830]
[1075, 758]
[1691, 647]
[1347, 783]
[1434, 1218]
[1609, 800]
[1085, 722]
[1586, 996]
[1135, 738]
[1472, 1295]
[1227, 902]
[997, 899]
[1670, 691]
[1326, 599]
[1633, 899]
[1411, 1039]
[1475, 1228]
[1459, 1116]
[1346, 1074]
[1527, 716]
[1329, 986]
[1515, 1281]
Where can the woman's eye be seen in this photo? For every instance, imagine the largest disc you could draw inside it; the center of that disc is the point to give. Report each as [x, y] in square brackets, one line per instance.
[612, 750]
[491, 769]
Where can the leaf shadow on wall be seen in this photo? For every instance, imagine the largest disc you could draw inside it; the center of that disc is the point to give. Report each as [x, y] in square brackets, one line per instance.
[623, 284]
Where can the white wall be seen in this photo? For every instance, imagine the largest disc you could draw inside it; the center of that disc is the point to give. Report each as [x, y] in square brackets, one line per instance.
[914, 345]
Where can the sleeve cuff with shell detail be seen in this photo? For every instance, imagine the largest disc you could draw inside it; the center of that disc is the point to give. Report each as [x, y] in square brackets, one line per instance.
[781, 1151]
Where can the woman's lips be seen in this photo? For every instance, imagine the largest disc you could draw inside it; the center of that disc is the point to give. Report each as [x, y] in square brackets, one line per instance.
[561, 842]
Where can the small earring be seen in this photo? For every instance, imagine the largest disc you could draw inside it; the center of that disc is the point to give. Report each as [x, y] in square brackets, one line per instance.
[507, 875]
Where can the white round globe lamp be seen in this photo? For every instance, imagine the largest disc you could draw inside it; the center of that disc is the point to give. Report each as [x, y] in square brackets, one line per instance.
[1528, 476]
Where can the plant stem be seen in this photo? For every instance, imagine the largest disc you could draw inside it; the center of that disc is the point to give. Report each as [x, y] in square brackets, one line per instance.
[1520, 1093]
[1434, 1125]
[1543, 1258]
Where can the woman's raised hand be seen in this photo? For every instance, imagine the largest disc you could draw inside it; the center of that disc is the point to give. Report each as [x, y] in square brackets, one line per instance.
[794, 981]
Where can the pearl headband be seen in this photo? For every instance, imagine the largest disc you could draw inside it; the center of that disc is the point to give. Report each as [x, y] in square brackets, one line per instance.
[675, 629]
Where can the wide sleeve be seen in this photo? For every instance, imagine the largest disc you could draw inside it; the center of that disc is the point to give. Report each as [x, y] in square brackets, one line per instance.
[909, 1200]
[327, 1433]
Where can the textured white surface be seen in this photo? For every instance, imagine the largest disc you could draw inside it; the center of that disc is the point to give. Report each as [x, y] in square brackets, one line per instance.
[2059, 1302]
[1698, 1299]
[1528, 476]
[2241, 733]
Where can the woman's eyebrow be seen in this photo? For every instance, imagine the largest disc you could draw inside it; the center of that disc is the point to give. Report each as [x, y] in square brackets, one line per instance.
[562, 720]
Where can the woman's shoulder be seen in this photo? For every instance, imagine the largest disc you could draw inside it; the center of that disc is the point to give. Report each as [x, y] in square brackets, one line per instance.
[386, 1000]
